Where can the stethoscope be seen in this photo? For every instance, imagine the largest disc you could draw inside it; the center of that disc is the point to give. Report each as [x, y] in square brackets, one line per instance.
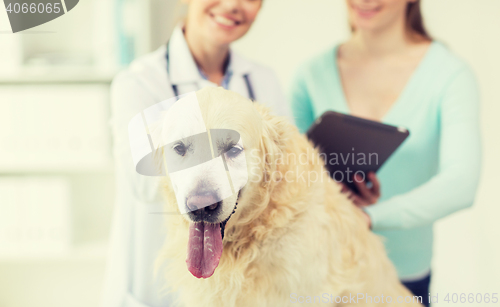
[251, 94]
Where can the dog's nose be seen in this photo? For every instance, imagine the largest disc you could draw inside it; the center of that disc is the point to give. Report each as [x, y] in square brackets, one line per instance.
[208, 214]
[202, 201]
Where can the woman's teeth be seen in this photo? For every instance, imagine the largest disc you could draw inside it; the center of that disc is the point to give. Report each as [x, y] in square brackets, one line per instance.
[224, 21]
[367, 12]
[364, 10]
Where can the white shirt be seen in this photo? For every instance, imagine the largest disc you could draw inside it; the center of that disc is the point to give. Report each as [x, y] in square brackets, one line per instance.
[137, 234]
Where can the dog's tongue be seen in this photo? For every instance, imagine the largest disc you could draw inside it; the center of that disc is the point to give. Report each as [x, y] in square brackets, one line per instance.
[204, 249]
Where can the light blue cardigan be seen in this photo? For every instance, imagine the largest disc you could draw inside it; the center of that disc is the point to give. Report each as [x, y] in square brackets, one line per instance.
[436, 170]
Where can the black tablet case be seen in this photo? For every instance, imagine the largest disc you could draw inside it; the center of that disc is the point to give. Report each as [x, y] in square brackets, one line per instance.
[337, 134]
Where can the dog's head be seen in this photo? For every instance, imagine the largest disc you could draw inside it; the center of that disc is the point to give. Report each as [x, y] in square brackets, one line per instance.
[216, 146]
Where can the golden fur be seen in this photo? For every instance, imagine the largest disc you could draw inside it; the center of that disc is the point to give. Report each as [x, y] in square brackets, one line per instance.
[286, 236]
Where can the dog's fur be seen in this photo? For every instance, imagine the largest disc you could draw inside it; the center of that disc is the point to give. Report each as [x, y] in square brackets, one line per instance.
[287, 237]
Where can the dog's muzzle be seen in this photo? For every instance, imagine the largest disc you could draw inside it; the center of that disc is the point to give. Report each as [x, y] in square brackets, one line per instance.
[197, 212]
[205, 240]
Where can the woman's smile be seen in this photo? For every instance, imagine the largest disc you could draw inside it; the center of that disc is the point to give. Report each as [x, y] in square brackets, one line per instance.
[225, 21]
[365, 11]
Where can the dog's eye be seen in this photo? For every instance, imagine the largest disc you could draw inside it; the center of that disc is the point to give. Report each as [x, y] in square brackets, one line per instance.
[180, 149]
[234, 151]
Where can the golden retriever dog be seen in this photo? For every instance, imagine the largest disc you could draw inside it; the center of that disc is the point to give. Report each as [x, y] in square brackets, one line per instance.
[285, 235]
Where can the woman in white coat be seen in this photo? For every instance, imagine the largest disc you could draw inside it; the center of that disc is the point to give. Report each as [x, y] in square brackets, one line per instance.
[196, 55]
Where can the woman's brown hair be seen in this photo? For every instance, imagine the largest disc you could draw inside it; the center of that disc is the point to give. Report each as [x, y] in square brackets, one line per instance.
[415, 20]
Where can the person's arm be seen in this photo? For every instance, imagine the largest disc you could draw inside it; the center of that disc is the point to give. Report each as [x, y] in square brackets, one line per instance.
[128, 97]
[279, 104]
[268, 91]
[454, 187]
[300, 103]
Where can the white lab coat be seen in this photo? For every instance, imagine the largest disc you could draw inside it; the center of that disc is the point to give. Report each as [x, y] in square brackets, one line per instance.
[137, 234]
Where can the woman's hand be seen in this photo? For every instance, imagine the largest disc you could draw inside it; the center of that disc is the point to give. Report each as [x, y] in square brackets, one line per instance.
[367, 195]
[367, 219]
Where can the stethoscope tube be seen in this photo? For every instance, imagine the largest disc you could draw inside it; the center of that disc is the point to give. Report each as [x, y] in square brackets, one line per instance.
[175, 89]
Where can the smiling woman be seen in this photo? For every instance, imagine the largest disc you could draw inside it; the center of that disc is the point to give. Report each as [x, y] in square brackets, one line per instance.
[413, 18]
[211, 25]
[197, 55]
[391, 71]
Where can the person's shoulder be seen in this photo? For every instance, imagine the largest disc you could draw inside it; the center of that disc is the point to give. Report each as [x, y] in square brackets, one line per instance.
[319, 60]
[317, 64]
[263, 78]
[445, 63]
[244, 65]
[447, 72]
[145, 67]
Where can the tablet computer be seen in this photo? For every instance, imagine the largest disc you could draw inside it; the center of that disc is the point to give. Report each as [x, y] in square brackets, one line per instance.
[351, 145]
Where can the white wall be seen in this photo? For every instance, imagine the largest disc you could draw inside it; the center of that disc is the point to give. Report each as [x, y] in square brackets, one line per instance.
[467, 244]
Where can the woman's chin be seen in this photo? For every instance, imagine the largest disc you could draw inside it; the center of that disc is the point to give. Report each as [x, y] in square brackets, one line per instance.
[366, 26]
[221, 37]
[224, 34]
